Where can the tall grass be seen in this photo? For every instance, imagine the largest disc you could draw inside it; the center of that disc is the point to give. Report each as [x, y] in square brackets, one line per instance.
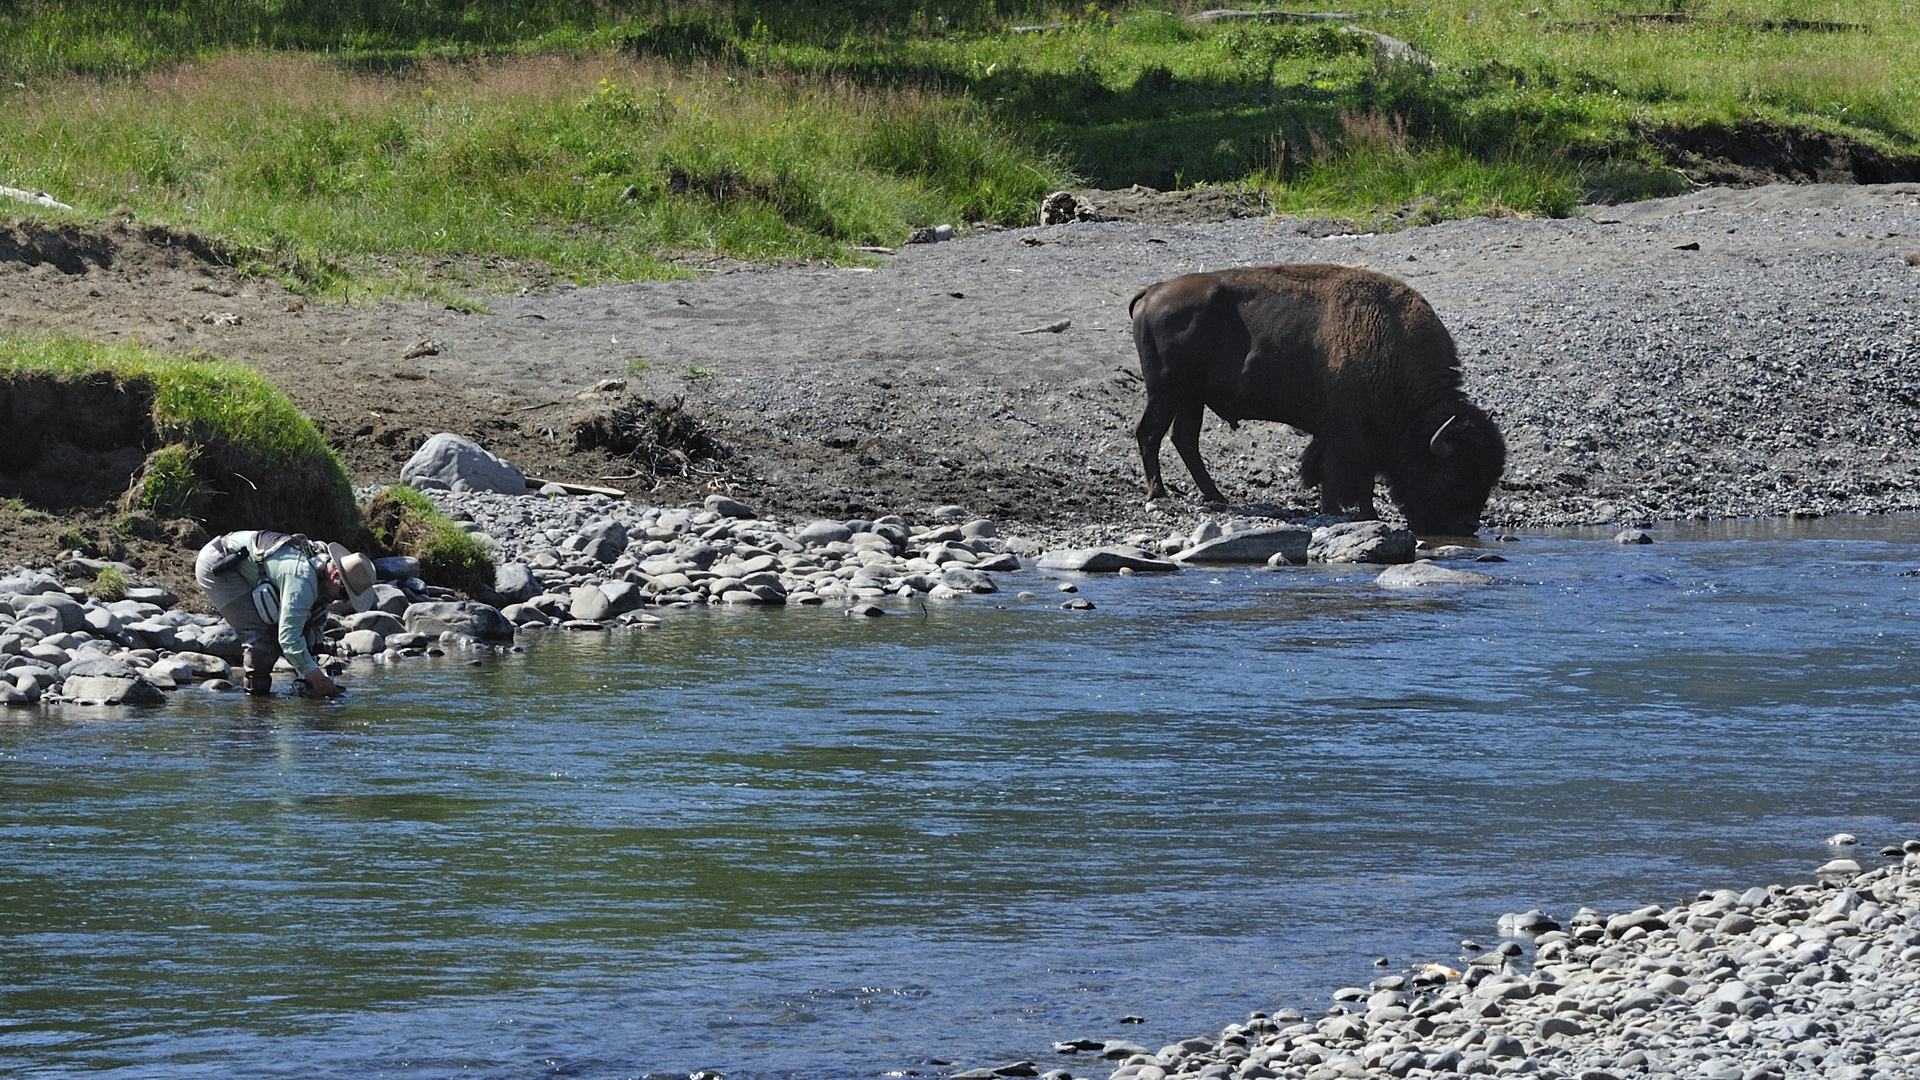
[405, 522]
[606, 166]
[611, 138]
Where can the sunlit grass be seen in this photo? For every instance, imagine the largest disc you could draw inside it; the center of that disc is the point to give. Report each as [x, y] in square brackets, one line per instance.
[606, 166]
[433, 149]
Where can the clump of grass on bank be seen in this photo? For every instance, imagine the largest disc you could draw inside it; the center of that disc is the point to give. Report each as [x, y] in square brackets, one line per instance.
[110, 584]
[382, 147]
[226, 447]
[405, 522]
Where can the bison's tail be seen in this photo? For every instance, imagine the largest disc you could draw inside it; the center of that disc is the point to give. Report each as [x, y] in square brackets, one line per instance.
[1131, 304]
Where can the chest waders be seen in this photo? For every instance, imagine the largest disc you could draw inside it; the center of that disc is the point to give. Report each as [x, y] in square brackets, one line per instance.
[249, 562]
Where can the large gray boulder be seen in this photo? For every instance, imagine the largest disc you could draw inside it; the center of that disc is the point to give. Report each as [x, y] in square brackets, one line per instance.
[731, 508]
[72, 615]
[363, 642]
[962, 579]
[205, 665]
[380, 622]
[98, 665]
[1105, 560]
[30, 583]
[589, 603]
[820, 533]
[1287, 542]
[1361, 542]
[463, 617]
[622, 596]
[223, 641]
[515, 582]
[111, 690]
[463, 465]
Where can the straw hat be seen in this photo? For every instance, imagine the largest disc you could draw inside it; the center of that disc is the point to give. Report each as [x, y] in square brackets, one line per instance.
[356, 573]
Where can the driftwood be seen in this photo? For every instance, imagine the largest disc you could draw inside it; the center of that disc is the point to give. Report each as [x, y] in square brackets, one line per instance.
[534, 483]
[1050, 328]
[38, 198]
[1233, 15]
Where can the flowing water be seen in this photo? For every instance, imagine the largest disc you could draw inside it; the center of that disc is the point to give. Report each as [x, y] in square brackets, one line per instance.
[790, 843]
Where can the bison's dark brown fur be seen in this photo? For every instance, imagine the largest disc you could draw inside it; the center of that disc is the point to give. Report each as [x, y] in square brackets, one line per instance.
[1356, 359]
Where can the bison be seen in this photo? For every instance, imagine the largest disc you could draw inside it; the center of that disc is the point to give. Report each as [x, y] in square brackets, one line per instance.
[1353, 358]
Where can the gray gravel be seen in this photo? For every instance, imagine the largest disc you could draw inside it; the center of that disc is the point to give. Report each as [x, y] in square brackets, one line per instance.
[1729, 353]
[1817, 979]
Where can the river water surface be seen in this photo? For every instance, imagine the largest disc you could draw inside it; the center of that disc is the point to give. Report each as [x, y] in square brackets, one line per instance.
[789, 843]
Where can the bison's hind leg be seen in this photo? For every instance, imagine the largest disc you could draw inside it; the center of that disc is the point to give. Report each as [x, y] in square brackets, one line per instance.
[1186, 439]
[1152, 428]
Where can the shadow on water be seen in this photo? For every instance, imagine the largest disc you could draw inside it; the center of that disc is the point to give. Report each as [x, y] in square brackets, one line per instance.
[792, 843]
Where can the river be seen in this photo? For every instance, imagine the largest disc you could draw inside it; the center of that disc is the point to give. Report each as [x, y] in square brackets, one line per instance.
[790, 843]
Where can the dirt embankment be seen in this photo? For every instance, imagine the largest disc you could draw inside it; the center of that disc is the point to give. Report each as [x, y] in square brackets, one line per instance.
[1733, 352]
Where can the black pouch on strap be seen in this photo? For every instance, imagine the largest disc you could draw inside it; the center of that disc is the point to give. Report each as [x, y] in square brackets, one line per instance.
[229, 560]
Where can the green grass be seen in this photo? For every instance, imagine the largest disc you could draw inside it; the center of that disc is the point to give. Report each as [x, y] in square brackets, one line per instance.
[109, 584]
[365, 148]
[231, 448]
[405, 522]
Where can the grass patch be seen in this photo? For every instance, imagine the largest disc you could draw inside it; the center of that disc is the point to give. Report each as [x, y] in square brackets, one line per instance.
[405, 522]
[363, 149]
[222, 444]
[109, 584]
[604, 167]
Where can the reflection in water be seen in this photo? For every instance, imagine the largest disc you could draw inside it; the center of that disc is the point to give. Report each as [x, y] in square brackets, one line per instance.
[791, 843]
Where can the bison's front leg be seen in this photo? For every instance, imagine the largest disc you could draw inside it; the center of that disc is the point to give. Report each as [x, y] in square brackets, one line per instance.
[1345, 478]
[1186, 439]
[1153, 426]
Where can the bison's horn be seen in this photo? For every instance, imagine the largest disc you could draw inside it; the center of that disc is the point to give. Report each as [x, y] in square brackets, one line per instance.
[1439, 446]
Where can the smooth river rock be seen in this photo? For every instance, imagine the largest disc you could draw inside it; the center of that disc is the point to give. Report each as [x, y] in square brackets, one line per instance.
[111, 690]
[1416, 575]
[468, 619]
[1103, 560]
[463, 465]
[1362, 542]
[1286, 543]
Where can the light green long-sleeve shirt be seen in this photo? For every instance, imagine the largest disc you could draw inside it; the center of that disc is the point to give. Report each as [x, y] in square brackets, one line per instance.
[297, 579]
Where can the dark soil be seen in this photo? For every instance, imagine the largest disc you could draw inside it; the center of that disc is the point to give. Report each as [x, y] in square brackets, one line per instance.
[1727, 353]
[1751, 153]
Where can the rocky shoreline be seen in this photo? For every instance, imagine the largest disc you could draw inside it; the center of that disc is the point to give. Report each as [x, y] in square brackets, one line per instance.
[591, 562]
[1817, 979]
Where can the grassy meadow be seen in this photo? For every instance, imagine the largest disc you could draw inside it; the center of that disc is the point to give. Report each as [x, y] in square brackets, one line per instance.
[367, 148]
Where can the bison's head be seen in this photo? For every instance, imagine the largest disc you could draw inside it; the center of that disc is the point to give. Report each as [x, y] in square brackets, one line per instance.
[1446, 468]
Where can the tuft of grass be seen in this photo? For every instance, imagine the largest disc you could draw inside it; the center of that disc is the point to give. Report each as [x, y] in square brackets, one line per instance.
[404, 521]
[75, 540]
[109, 584]
[231, 447]
[169, 486]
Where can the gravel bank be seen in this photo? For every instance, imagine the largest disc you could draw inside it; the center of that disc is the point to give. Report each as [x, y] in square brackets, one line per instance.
[1818, 979]
[1731, 352]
